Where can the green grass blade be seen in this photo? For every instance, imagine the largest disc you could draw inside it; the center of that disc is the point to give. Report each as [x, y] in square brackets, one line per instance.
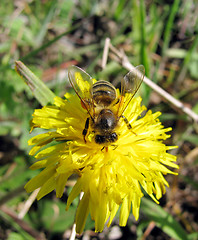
[119, 10]
[191, 51]
[143, 49]
[49, 43]
[41, 92]
[45, 23]
[163, 220]
[193, 236]
[187, 60]
[169, 26]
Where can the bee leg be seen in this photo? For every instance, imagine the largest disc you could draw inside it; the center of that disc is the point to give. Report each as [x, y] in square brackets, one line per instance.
[85, 130]
[115, 146]
[106, 149]
[128, 124]
[118, 100]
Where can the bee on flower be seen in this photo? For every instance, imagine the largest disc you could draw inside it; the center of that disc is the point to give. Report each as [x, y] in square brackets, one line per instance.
[105, 110]
[101, 135]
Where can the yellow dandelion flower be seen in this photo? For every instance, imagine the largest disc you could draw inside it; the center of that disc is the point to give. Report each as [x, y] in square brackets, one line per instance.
[106, 140]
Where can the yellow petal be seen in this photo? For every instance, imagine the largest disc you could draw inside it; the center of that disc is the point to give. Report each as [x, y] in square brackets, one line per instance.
[40, 179]
[124, 211]
[82, 213]
[60, 184]
[47, 187]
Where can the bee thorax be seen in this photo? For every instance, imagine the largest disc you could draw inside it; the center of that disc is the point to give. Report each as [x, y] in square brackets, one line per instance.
[106, 120]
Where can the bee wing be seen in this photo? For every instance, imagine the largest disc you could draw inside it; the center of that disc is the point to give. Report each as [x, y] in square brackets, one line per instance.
[130, 84]
[82, 83]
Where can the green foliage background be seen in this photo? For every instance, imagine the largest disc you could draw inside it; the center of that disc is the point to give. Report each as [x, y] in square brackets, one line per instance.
[48, 36]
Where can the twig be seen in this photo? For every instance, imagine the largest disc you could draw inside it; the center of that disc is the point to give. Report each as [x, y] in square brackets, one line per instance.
[105, 53]
[149, 229]
[73, 232]
[24, 225]
[28, 204]
[123, 60]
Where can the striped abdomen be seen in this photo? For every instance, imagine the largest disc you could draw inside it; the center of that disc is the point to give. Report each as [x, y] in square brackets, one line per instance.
[103, 93]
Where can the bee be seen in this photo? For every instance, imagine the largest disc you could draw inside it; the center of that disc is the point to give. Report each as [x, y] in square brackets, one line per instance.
[105, 109]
